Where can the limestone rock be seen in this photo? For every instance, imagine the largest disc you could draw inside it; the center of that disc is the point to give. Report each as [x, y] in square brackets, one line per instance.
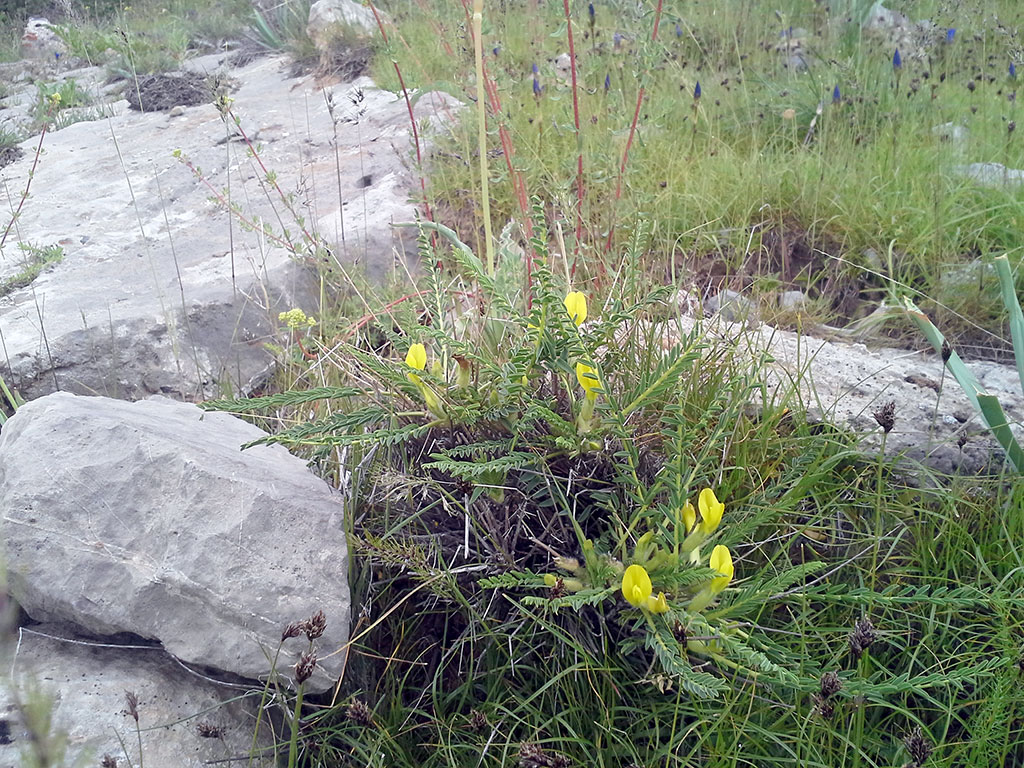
[147, 518]
[731, 306]
[331, 19]
[41, 42]
[87, 683]
[991, 174]
[160, 289]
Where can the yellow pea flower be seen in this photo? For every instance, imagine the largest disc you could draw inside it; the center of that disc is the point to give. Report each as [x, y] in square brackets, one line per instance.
[721, 561]
[636, 585]
[587, 377]
[637, 589]
[576, 306]
[657, 604]
[417, 357]
[711, 510]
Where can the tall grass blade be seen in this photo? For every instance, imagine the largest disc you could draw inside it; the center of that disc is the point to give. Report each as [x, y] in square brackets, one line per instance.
[1008, 291]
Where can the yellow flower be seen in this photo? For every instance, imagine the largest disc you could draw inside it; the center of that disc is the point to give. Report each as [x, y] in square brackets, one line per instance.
[295, 319]
[417, 357]
[657, 604]
[636, 588]
[689, 516]
[576, 306]
[587, 377]
[721, 561]
[711, 510]
[636, 585]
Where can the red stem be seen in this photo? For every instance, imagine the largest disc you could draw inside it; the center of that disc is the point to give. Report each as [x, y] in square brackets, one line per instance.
[629, 141]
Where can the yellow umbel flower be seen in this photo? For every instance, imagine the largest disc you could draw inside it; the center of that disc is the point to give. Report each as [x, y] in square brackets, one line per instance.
[576, 306]
[295, 319]
[721, 561]
[711, 510]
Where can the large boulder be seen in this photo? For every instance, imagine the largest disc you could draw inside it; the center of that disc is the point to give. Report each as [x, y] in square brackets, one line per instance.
[331, 19]
[147, 518]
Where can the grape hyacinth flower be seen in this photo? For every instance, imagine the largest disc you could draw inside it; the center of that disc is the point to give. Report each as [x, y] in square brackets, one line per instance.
[1013, 71]
[696, 91]
[607, 82]
[679, 30]
[836, 95]
[897, 61]
[950, 34]
[591, 12]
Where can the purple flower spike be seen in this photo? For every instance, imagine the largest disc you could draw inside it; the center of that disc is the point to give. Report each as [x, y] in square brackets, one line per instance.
[536, 86]
[536, 70]
[497, 50]
[696, 91]
[679, 30]
[897, 62]
[950, 34]
[590, 10]
[835, 95]
[1013, 70]
[607, 82]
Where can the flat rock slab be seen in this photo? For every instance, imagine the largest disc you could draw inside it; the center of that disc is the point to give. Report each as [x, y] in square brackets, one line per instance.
[147, 518]
[161, 290]
[86, 684]
[845, 383]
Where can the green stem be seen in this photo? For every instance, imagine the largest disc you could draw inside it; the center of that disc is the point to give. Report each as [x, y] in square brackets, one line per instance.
[293, 741]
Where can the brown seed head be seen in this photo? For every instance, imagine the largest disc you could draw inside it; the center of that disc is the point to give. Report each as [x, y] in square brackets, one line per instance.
[862, 636]
[918, 746]
[823, 706]
[292, 630]
[208, 730]
[315, 625]
[830, 684]
[532, 756]
[132, 702]
[109, 761]
[946, 351]
[558, 590]
[305, 666]
[477, 721]
[358, 712]
[886, 416]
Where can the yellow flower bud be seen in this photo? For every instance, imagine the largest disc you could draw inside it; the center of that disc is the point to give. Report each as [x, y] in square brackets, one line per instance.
[417, 357]
[550, 580]
[711, 510]
[587, 377]
[657, 604]
[721, 561]
[576, 306]
[689, 516]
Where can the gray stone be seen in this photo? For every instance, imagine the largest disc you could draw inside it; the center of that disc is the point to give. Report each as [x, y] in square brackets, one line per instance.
[86, 683]
[41, 42]
[331, 19]
[170, 294]
[731, 306]
[953, 134]
[991, 174]
[792, 301]
[147, 518]
[880, 19]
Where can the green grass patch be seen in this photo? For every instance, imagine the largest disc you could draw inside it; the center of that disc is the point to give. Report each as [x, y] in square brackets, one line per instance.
[36, 259]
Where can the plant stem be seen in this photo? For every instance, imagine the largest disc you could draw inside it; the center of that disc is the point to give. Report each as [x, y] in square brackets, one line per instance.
[293, 740]
[481, 114]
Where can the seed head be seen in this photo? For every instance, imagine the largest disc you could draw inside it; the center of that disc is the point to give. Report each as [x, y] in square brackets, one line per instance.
[315, 625]
[292, 630]
[304, 667]
[132, 701]
[830, 684]
[823, 706]
[208, 730]
[532, 756]
[946, 351]
[359, 713]
[862, 636]
[109, 761]
[477, 721]
[886, 416]
[918, 746]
